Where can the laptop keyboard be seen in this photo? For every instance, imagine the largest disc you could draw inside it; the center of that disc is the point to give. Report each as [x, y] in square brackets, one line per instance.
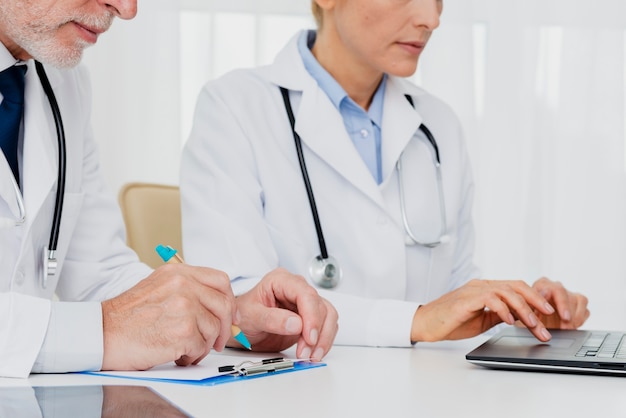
[604, 345]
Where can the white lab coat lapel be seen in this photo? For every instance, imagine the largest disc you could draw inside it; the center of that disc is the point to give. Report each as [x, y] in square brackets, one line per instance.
[400, 123]
[7, 190]
[40, 152]
[321, 128]
[320, 125]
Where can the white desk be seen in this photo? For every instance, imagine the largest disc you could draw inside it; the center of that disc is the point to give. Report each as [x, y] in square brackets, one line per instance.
[429, 380]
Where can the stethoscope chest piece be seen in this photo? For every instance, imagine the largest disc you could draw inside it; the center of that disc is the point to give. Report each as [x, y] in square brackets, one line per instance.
[325, 272]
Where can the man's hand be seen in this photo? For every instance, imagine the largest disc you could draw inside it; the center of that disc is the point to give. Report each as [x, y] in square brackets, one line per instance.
[178, 313]
[283, 309]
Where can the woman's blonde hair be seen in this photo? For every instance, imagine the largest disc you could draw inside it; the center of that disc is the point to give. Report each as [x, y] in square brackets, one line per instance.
[317, 13]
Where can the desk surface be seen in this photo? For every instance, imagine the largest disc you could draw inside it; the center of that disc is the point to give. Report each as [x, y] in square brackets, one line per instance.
[429, 380]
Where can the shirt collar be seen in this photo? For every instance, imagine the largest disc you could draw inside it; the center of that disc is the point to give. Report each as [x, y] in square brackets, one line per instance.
[375, 111]
[329, 85]
[6, 59]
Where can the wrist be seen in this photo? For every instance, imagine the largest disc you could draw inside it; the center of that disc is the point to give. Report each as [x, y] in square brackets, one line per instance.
[416, 336]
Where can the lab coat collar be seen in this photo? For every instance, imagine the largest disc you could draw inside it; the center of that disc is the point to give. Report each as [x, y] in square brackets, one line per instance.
[400, 122]
[319, 124]
[288, 69]
[321, 128]
[39, 154]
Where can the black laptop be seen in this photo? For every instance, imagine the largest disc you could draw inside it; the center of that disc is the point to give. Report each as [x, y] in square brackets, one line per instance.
[569, 351]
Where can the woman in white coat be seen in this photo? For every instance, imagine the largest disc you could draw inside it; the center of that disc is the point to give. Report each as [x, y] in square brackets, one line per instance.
[246, 209]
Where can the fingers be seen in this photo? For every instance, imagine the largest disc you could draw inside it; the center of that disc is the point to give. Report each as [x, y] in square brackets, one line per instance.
[319, 317]
[176, 314]
[326, 337]
[581, 313]
[481, 304]
[571, 307]
[515, 299]
[522, 300]
[206, 294]
[213, 279]
[555, 292]
[283, 309]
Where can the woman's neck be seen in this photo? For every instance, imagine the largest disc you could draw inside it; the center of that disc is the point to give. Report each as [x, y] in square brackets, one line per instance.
[359, 80]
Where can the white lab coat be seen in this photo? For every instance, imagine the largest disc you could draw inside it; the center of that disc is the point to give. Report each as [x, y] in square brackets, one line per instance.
[245, 208]
[94, 262]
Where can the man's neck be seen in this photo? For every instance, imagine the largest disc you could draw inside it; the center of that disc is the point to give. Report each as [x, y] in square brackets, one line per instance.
[14, 49]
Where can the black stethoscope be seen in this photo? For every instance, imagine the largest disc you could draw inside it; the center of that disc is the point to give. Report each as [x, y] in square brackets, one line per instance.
[49, 255]
[324, 270]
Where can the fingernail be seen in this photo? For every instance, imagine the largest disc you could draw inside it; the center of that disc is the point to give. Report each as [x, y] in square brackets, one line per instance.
[318, 354]
[306, 353]
[313, 335]
[546, 334]
[511, 320]
[532, 320]
[567, 316]
[292, 325]
[237, 316]
[549, 308]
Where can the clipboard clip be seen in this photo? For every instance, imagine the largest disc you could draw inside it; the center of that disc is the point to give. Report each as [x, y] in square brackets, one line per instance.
[248, 368]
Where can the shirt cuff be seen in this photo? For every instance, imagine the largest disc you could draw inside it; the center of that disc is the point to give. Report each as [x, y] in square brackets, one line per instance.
[74, 340]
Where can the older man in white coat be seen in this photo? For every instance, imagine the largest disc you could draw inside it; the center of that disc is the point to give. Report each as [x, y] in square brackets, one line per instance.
[175, 313]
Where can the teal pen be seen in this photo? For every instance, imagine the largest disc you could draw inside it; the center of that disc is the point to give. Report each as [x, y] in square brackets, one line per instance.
[169, 255]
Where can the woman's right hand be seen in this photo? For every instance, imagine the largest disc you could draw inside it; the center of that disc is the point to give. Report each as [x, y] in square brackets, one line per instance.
[478, 306]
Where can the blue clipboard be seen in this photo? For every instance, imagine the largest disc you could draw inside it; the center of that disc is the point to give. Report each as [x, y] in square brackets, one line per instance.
[220, 378]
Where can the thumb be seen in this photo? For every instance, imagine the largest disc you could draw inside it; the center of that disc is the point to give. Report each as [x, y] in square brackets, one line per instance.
[279, 321]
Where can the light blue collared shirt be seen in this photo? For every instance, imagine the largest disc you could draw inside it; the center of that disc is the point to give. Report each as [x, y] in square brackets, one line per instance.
[363, 127]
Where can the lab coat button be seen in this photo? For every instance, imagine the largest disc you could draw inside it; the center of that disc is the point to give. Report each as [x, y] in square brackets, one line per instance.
[364, 133]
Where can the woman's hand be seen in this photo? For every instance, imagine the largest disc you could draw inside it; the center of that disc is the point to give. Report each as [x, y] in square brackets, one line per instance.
[481, 304]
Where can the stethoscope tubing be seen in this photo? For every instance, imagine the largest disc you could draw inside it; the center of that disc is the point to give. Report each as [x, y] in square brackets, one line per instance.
[442, 212]
[49, 253]
[323, 263]
[305, 175]
[58, 122]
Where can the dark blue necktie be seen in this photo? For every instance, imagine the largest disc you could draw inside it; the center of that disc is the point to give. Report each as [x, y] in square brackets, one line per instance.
[11, 110]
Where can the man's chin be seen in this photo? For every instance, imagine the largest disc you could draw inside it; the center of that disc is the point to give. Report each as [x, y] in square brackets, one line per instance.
[61, 59]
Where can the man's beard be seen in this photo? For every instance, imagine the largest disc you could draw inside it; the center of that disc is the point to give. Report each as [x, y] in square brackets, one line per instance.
[38, 35]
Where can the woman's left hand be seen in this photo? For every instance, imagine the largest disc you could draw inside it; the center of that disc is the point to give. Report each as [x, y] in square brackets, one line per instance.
[570, 308]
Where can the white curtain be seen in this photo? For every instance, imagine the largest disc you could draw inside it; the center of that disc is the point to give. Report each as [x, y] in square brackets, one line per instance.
[539, 85]
[136, 88]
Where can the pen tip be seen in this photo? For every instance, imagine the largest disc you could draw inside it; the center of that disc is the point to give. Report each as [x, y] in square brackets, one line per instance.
[241, 338]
